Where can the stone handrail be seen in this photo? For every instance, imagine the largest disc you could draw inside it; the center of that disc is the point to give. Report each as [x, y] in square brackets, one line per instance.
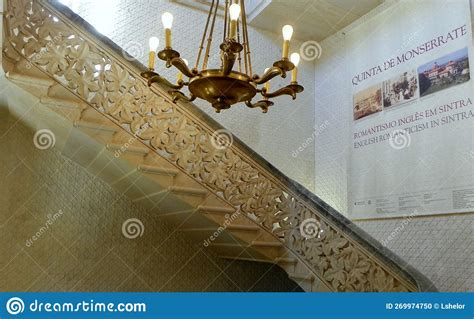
[58, 42]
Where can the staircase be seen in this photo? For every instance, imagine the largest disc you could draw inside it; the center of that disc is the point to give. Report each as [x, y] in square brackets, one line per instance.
[161, 155]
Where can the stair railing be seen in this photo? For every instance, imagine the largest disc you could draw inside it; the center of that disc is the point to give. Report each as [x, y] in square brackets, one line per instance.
[55, 40]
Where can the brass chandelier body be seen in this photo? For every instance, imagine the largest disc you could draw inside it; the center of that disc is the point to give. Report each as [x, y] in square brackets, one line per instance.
[225, 86]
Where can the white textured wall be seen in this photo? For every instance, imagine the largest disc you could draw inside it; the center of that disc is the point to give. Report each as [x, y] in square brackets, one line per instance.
[61, 230]
[332, 147]
[441, 247]
[275, 135]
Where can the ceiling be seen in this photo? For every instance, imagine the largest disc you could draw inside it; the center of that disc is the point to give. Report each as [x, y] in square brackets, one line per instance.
[313, 19]
[252, 7]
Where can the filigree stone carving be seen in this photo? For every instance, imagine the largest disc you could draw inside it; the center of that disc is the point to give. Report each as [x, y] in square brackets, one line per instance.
[81, 64]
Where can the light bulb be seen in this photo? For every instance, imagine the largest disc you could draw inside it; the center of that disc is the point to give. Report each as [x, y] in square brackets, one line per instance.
[287, 32]
[154, 44]
[167, 19]
[234, 11]
[295, 58]
[186, 62]
[267, 84]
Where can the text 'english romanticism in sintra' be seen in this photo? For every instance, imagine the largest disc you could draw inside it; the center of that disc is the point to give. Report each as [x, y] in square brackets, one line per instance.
[416, 122]
[429, 45]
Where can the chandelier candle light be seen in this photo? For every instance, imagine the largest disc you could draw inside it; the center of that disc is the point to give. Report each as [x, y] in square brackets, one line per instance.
[224, 87]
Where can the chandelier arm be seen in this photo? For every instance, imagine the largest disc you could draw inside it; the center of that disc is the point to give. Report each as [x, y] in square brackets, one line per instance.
[263, 104]
[291, 90]
[179, 63]
[270, 74]
[167, 54]
[148, 74]
[178, 95]
[284, 64]
[161, 80]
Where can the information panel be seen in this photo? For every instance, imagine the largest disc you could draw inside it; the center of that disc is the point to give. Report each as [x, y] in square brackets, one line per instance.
[413, 115]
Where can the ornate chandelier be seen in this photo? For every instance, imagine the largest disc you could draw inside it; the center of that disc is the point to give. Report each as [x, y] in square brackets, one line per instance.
[225, 86]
